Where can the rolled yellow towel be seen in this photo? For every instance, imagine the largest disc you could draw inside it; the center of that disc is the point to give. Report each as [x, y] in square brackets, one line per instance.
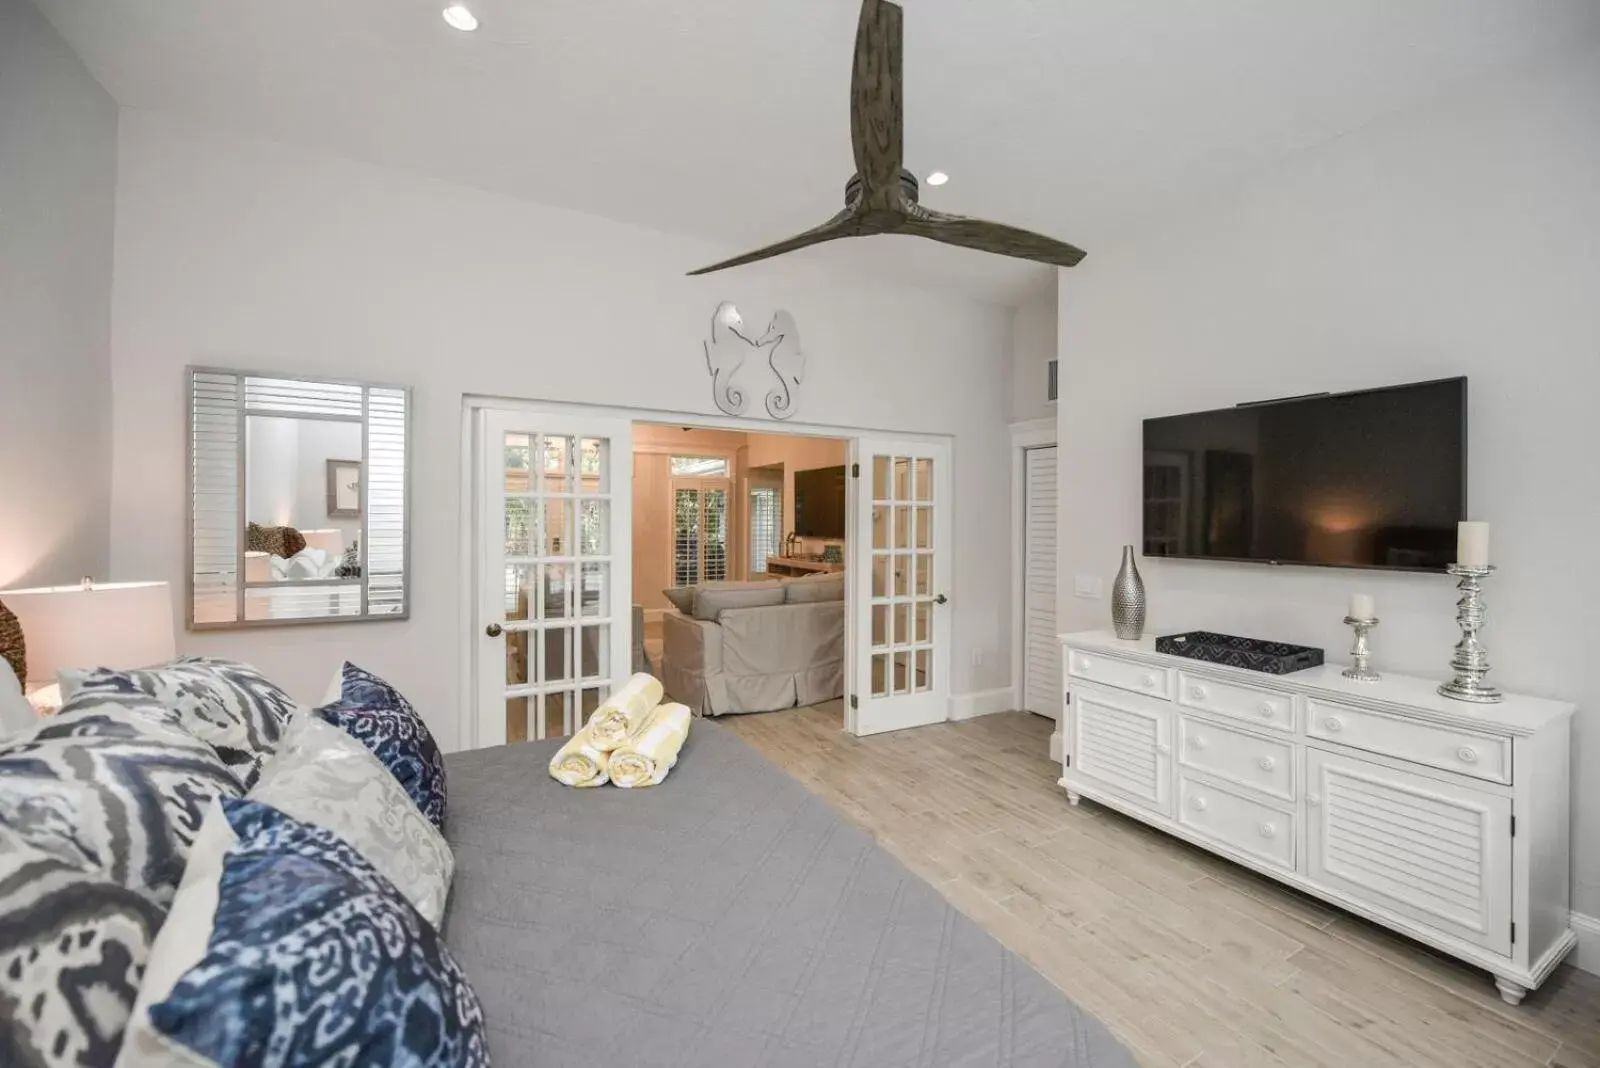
[624, 711]
[579, 763]
[645, 758]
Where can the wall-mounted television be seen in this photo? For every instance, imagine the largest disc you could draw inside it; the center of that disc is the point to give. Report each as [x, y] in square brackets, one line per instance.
[1375, 478]
[819, 502]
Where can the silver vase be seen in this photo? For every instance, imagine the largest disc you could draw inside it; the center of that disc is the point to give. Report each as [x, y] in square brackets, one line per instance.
[1127, 599]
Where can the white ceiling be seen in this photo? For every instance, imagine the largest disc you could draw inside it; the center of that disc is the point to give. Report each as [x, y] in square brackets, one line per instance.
[727, 119]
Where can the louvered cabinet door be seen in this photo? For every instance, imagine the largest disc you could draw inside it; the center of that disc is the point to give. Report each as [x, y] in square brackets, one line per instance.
[1125, 745]
[1434, 851]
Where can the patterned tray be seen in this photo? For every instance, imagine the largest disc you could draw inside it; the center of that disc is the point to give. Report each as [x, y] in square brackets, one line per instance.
[1254, 654]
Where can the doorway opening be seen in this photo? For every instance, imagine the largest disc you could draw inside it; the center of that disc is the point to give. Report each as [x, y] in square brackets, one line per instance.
[740, 549]
[750, 567]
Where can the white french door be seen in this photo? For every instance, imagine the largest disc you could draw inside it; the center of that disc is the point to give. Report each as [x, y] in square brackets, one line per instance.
[900, 549]
[554, 505]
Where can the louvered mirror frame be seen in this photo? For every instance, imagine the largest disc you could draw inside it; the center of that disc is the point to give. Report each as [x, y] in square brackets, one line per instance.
[219, 595]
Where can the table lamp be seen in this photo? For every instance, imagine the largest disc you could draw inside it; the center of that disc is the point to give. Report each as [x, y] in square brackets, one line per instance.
[110, 624]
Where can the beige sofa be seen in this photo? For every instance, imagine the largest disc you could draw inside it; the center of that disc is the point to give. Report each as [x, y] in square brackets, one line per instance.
[755, 659]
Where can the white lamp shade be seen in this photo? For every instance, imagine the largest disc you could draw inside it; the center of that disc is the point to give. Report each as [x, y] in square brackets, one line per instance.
[114, 625]
[329, 541]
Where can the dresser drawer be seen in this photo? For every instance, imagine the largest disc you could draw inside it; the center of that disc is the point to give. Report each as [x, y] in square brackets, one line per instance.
[1237, 821]
[1265, 764]
[1123, 674]
[1264, 708]
[1483, 756]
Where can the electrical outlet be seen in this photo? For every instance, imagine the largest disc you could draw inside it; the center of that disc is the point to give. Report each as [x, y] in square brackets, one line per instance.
[1087, 587]
[978, 656]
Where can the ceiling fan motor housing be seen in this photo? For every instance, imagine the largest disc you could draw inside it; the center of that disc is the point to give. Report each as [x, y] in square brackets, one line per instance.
[908, 187]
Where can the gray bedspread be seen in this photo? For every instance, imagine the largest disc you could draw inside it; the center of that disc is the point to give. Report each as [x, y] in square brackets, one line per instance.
[727, 917]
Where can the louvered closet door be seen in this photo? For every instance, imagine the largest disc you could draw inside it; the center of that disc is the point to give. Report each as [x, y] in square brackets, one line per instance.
[1041, 647]
[1434, 851]
[1125, 744]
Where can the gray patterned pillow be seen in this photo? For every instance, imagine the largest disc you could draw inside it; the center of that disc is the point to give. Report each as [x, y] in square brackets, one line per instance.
[114, 787]
[323, 776]
[73, 946]
[228, 705]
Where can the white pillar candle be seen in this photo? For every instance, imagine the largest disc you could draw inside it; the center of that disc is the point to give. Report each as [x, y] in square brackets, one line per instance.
[1472, 544]
[1362, 606]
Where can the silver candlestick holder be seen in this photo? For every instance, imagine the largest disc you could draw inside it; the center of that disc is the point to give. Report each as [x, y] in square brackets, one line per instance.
[1360, 667]
[1471, 660]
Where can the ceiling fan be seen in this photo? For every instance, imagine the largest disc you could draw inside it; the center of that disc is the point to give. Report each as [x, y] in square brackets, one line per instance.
[881, 197]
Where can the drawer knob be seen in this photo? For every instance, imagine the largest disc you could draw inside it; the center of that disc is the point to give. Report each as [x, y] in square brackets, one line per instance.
[1266, 763]
[1086, 663]
[1467, 754]
[1197, 692]
[1163, 748]
[1197, 742]
[1267, 830]
[1149, 682]
[1266, 708]
[1334, 724]
[1198, 804]
[1313, 800]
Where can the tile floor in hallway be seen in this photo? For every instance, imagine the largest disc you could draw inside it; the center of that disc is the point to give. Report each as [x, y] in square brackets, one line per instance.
[1192, 960]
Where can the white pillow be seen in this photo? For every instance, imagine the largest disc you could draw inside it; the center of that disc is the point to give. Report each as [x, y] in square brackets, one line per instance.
[16, 714]
[322, 776]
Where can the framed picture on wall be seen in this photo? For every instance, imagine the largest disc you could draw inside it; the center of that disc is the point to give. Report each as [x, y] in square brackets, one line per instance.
[344, 489]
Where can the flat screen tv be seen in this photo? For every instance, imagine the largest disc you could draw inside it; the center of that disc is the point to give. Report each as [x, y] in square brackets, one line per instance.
[819, 503]
[1376, 478]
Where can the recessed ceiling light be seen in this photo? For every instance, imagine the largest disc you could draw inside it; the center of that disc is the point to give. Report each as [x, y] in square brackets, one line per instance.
[458, 16]
[938, 178]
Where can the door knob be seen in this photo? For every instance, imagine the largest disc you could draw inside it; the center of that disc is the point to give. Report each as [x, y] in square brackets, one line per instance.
[941, 599]
[493, 630]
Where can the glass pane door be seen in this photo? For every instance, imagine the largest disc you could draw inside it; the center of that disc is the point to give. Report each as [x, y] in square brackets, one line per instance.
[557, 581]
[901, 675]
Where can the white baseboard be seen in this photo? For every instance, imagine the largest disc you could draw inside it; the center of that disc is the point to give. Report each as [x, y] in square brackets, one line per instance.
[982, 703]
[1587, 954]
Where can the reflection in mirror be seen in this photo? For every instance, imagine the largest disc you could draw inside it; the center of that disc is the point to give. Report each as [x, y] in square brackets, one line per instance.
[298, 498]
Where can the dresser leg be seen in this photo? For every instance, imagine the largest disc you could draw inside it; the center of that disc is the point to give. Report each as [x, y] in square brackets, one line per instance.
[1511, 993]
[1072, 798]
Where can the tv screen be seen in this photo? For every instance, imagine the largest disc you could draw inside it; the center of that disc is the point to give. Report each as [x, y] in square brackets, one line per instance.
[1376, 478]
[819, 503]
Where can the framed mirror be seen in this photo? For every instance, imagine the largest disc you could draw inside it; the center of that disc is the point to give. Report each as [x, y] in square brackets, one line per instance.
[299, 500]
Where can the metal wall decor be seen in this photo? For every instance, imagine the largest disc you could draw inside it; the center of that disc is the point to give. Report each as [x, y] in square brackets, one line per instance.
[736, 378]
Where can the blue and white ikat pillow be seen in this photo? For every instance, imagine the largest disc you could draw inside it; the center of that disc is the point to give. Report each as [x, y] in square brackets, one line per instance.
[286, 948]
[375, 714]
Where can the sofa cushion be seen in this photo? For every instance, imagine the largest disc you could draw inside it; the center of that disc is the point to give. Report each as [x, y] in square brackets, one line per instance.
[814, 588]
[682, 598]
[715, 597]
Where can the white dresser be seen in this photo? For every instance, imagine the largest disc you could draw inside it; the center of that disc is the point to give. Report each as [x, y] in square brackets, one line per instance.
[1443, 820]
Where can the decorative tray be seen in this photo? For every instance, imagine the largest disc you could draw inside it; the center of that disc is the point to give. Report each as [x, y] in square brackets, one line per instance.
[1253, 654]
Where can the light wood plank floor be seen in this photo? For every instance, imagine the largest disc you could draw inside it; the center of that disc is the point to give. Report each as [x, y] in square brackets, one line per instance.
[1189, 959]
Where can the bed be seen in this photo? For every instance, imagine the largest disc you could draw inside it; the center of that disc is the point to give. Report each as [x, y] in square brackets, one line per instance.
[725, 918]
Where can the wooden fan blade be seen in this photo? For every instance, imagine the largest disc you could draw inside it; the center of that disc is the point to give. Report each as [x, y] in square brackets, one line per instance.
[875, 109]
[993, 237]
[841, 225]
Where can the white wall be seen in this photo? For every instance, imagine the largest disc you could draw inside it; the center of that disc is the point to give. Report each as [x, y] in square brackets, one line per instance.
[58, 160]
[1033, 346]
[234, 252]
[1462, 240]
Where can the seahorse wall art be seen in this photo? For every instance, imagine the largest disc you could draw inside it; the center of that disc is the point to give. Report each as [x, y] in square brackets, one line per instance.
[732, 372]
